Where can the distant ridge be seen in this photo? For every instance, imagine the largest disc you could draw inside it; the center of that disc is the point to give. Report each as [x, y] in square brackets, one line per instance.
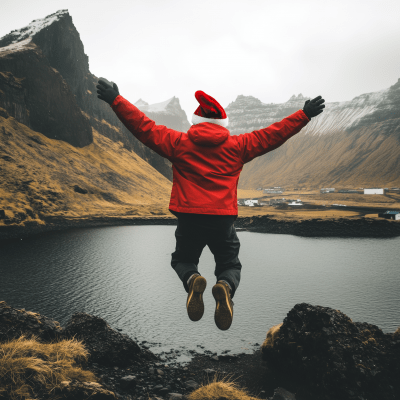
[352, 143]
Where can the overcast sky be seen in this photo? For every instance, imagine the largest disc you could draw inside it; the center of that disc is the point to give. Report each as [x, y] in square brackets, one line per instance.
[157, 49]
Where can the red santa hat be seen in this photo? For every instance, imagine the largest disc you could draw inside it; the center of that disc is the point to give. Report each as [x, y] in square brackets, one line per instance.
[209, 110]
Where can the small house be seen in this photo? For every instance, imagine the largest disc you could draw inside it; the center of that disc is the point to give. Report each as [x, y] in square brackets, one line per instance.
[390, 215]
[295, 203]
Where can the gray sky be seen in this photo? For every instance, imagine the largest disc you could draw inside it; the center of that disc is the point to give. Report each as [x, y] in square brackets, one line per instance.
[156, 49]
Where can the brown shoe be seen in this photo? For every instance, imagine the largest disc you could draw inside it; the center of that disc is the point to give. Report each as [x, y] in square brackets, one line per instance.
[224, 307]
[194, 303]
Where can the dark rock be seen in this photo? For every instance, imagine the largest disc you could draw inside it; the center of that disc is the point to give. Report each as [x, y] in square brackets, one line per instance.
[2, 214]
[128, 382]
[209, 371]
[175, 396]
[4, 114]
[16, 322]
[320, 353]
[282, 394]
[106, 346]
[228, 358]
[191, 385]
[78, 189]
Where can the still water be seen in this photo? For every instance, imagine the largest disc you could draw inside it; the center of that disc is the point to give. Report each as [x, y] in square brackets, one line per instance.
[123, 275]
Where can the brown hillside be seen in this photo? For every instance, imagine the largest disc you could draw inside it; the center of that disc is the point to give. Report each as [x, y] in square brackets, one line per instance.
[363, 158]
[43, 177]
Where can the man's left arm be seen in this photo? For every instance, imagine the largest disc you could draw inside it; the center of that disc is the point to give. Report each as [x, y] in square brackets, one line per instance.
[157, 137]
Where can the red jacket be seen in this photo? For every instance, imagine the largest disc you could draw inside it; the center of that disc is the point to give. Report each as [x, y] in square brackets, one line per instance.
[207, 160]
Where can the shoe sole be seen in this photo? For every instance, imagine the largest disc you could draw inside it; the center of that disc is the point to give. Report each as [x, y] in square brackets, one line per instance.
[223, 311]
[195, 305]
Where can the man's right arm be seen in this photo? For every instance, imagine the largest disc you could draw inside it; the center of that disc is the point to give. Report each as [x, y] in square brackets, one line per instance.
[157, 137]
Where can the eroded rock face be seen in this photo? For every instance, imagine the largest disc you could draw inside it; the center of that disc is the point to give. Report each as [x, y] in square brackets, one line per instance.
[105, 345]
[36, 95]
[323, 354]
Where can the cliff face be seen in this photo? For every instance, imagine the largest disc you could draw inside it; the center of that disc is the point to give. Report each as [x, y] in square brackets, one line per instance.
[352, 143]
[59, 42]
[36, 95]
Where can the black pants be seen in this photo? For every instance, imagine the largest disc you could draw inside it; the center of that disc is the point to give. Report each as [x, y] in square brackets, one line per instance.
[193, 233]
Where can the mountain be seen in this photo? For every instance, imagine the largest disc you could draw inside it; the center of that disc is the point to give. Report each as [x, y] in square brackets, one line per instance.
[63, 152]
[352, 143]
[60, 86]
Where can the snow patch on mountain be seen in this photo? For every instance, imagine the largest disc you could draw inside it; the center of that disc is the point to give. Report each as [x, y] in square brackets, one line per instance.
[248, 113]
[34, 27]
[164, 107]
[12, 48]
[141, 103]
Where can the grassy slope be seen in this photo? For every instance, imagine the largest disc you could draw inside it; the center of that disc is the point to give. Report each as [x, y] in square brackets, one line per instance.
[41, 173]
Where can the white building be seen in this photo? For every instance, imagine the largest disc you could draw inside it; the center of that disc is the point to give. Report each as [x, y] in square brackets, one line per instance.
[374, 191]
[250, 203]
[296, 203]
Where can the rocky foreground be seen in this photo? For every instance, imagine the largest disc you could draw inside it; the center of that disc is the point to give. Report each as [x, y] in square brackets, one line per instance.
[316, 353]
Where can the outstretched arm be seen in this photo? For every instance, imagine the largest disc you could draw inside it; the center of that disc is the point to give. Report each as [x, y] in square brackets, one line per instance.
[262, 141]
[157, 137]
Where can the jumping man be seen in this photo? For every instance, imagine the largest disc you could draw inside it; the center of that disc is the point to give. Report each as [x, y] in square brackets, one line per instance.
[206, 164]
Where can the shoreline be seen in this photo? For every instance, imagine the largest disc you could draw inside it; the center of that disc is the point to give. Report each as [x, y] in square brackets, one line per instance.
[316, 227]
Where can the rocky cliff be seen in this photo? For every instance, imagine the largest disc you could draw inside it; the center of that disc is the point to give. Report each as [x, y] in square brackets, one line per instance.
[36, 95]
[54, 45]
[352, 143]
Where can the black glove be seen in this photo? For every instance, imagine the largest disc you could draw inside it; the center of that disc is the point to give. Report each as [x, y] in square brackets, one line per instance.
[107, 91]
[314, 107]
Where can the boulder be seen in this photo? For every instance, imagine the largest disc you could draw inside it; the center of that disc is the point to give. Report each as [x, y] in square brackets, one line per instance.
[320, 353]
[128, 382]
[16, 322]
[105, 345]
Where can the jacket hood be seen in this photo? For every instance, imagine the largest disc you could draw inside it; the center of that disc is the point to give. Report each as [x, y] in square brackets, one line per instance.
[208, 134]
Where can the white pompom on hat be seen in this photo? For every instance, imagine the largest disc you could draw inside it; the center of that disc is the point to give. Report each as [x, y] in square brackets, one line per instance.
[209, 110]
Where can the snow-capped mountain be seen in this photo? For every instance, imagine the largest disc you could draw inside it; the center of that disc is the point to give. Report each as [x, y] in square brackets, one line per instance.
[168, 113]
[352, 143]
[46, 84]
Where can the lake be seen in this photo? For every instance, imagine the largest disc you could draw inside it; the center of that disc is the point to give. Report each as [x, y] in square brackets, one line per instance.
[123, 274]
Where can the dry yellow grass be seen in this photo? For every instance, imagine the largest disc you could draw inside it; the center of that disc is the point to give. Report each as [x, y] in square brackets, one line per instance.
[301, 214]
[41, 174]
[217, 389]
[271, 336]
[26, 364]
